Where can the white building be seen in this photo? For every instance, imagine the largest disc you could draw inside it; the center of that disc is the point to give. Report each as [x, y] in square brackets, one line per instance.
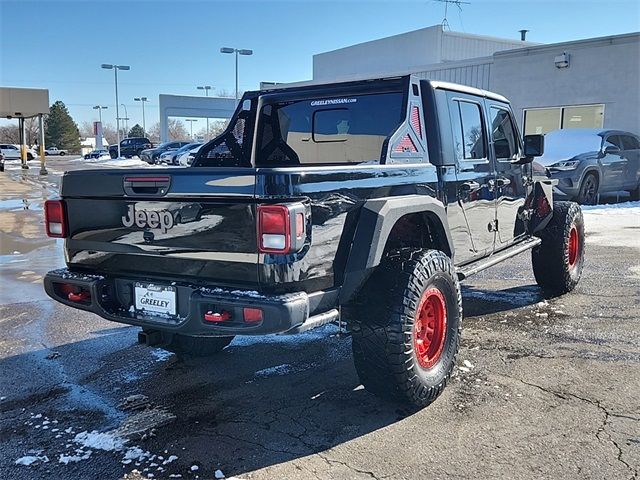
[585, 83]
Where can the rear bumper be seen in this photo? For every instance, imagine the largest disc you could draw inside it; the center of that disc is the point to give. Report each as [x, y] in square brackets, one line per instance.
[112, 299]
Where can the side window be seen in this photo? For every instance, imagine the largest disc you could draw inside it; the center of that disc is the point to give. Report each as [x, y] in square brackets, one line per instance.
[630, 143]
[505, 140]
[233, 147]
[331, 125]
[613, 140]
[469, 136]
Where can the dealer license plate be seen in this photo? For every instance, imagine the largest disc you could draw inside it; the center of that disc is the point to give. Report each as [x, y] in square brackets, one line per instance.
[155, 298]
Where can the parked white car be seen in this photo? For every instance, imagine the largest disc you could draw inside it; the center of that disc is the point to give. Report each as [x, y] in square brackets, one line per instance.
[186, 159]
[12, 152]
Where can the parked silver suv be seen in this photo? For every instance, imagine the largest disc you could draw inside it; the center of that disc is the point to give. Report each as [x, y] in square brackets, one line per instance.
[588, 161]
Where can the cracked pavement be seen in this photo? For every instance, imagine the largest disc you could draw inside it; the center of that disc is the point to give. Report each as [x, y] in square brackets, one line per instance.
[551, 390]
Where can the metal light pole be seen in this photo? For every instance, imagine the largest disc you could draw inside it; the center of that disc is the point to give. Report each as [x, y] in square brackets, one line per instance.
[100, 108]
[142, 99]
[115, 68]
[237, 51]
[206, 89]
[126, 119]
[191, 120]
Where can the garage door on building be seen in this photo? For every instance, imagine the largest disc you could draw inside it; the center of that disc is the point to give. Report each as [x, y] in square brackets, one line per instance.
[539, 121]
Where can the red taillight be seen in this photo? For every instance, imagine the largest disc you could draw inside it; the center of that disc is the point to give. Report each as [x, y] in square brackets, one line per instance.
[252, 315]
[55, 218]
[274, 229]
[215, 317]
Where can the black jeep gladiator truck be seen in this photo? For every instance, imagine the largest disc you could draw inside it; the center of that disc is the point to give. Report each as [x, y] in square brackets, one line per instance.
[364, 203]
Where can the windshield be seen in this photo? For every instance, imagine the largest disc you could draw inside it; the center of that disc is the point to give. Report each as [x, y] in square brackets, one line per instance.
[188, 147]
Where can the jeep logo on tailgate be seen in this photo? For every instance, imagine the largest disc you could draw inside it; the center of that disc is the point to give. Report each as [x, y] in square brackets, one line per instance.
[161, 219]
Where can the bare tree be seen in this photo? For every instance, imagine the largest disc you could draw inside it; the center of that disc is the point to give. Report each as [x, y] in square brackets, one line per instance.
[86, 129]
[216, 127]
[11, 133]
[153, 133]
[229, 94]
[108, 132]
[175, 127]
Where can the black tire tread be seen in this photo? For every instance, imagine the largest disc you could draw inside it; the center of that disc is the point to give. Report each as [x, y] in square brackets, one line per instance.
[382, 342]
[580, 197]
[551, 258]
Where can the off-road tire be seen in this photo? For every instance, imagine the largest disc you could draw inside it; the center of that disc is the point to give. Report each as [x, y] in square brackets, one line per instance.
[383, 321]
[62, 154]
[196, 346]
[588, 193]
[30, 157]
[557, 261]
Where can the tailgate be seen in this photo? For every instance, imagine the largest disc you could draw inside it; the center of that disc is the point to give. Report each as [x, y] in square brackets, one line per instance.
[173, 223]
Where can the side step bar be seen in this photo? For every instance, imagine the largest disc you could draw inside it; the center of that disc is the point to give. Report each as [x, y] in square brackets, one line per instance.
[475, 267]
[315, 321]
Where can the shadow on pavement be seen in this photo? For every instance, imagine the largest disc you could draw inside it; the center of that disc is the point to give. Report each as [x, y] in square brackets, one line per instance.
[478, 302]
[260, 402]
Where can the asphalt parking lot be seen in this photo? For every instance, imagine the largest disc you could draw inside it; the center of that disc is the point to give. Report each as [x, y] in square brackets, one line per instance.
[545, 388]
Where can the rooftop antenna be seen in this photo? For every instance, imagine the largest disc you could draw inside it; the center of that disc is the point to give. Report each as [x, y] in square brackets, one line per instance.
[457, 3]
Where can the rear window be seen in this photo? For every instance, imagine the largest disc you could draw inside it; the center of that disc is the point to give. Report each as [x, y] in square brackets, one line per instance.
[346, 130]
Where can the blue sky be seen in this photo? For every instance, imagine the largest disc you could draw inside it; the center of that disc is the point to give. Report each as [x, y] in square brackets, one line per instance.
[172, 46]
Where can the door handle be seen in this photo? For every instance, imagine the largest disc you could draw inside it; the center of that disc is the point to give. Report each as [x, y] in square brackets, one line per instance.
[503, 182]
[470, 186]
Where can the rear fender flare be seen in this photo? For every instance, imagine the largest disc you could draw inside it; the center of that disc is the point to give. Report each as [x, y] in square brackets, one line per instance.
[377, 219]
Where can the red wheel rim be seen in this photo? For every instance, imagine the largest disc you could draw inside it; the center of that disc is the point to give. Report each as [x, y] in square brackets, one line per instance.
[430, 327]
[573, 247]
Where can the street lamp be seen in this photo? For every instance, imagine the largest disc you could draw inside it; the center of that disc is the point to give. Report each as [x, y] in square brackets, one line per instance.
[142, 99]
[237, 51]
[191, 120]
[206, 89]
[126, 119]
[115, 68]
[100, 108]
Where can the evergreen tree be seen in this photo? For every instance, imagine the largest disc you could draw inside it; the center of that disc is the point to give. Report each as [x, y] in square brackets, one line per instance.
[136, 131]
[60, 129]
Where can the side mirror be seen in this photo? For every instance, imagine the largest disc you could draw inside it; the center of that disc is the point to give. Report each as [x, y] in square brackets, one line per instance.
[533, 145]
[611, 150]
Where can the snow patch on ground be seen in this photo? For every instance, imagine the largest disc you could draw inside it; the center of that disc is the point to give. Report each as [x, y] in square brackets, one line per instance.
[100, 441]
[31, 459]
[160, 355]
[611, 206]
[81, 455]
[635, 271]
[616, 225]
